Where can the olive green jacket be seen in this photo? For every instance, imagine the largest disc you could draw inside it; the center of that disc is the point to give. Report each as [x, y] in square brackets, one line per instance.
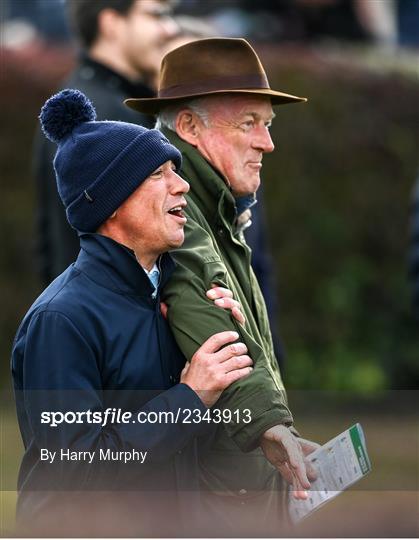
[213, 253]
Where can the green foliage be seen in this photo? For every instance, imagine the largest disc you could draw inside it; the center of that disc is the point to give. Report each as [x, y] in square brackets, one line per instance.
[337, 192]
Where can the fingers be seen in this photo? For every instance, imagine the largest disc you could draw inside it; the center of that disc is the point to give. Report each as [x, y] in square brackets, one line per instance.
[307, 446]
[298, 491]
[237, 374]
[219, 292]
[299, 469]
[300, 494]
[286, 472]
[291, 478]
[227, 303]
[311, 471]
[237, 362]
[215, 342]
[296, 462]
[238, 315]
[185, 369]
[233, 306]
[236, 349]
[223, 298]
[184, 372]
[294, 454]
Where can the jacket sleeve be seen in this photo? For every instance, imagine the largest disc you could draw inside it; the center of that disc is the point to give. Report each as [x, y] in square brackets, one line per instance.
[193, 318]
[61, 373]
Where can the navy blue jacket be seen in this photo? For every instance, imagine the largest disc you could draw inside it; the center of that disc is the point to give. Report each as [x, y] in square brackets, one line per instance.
[95, 338]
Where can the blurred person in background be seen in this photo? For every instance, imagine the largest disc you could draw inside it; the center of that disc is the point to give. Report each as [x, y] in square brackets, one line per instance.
[121, 43]
[46, 18]
[215, 104]
[357, 21]
[408, 23]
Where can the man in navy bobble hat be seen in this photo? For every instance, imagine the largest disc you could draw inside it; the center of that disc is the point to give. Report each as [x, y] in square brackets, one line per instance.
[95, 341]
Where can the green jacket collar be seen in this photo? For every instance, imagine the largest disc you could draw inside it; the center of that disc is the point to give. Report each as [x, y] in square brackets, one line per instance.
[208, 189]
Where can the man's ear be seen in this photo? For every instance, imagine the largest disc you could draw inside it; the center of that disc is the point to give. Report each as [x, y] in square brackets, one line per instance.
[109, 22]
[188, 126]
[107, 227]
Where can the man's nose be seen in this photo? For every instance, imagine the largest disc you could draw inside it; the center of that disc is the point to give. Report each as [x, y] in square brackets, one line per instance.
[179, 185]
[263, 140]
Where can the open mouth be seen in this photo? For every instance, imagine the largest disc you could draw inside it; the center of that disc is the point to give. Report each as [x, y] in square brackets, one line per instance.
[177, 211]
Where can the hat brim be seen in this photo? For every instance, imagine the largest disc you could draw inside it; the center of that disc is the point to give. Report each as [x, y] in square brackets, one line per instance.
[154, 105]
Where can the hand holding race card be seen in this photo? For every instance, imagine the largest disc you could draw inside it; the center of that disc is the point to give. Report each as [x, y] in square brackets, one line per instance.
[339, 463]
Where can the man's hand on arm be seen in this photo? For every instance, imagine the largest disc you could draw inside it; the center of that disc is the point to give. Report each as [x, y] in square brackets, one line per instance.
[287, 453]
[223, 298]
[214, 367]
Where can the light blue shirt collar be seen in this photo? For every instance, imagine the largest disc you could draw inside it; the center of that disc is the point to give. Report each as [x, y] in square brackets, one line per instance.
[154, 277]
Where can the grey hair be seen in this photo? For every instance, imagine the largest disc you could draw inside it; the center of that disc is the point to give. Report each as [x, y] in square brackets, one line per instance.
[167, 116]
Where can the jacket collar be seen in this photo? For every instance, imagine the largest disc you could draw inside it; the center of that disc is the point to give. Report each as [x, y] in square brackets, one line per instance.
[209, 189]
[115, 267]
[91, 69]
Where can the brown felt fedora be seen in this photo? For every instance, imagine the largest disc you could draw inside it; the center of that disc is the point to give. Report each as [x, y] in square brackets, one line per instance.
[210, 66]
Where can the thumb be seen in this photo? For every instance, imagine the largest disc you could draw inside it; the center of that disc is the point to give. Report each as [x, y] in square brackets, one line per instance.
[185, 369]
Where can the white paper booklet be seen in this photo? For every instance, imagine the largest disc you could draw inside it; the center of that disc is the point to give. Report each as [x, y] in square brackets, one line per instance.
[339, 463]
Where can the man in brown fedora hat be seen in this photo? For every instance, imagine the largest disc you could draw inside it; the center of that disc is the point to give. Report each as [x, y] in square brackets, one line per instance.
[215, 104]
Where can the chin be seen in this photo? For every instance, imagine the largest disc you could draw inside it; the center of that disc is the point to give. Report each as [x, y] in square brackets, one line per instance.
[177, 242]
[256, 184]
[248, 186]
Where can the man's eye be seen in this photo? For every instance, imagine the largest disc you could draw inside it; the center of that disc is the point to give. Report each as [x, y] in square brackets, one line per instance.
[156, 174]
[247, 125]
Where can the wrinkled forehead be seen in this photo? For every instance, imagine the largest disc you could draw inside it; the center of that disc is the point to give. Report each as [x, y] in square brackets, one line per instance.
[233, 105]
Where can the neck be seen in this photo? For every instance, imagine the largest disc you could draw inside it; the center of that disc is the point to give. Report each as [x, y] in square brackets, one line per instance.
[146, 261]
[107, 56]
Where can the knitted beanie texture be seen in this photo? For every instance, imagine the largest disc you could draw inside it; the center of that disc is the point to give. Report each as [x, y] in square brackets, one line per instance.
[98, 165]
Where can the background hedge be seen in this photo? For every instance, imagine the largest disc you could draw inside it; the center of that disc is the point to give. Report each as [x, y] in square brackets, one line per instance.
[337, 192]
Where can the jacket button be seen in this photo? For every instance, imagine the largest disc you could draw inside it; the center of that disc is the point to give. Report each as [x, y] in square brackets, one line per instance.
[243, 491]
[221, 231]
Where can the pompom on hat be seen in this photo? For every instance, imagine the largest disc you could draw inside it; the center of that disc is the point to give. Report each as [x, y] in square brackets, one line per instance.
[98, 165]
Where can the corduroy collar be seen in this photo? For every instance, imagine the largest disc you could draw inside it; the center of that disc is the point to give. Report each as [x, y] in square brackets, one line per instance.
[115, 267]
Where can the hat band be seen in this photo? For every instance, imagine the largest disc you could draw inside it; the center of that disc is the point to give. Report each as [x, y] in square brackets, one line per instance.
[216, 84]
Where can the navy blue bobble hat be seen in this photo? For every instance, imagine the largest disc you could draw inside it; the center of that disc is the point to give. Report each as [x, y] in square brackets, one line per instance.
[98, 165]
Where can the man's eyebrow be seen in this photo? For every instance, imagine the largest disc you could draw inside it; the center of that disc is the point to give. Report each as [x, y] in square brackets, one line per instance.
[258, 116]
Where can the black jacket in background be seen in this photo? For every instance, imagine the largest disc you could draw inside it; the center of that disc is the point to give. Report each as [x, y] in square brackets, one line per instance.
[414, 251]
[57, 244]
